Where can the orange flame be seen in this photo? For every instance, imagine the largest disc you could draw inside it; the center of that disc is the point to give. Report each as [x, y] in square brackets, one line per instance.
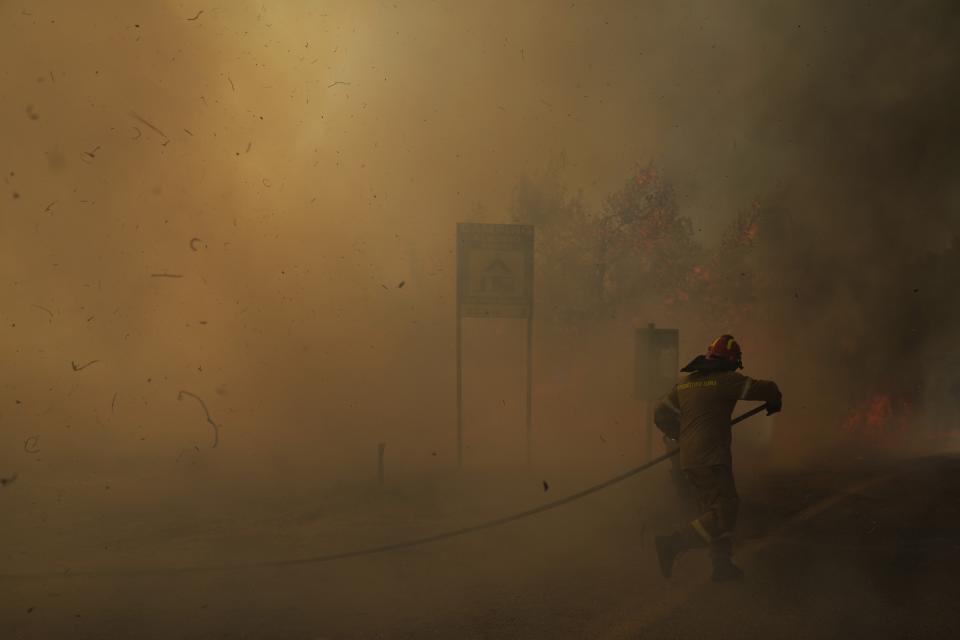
[877, 418]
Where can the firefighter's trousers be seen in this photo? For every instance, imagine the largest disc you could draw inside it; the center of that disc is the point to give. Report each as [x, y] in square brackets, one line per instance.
[719, 503]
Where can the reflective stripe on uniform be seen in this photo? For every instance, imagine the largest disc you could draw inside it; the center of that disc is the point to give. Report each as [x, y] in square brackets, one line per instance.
[701, 531]
[699, 384]
[746, 388]
[672, 407]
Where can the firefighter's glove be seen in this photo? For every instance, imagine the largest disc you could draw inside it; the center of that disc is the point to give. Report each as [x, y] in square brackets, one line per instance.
[774, 406]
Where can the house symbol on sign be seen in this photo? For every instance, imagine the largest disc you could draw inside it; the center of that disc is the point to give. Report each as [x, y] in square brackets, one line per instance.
[497, 278]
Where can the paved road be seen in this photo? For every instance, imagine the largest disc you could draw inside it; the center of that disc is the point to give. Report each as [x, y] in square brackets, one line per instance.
[875, 554]
[872, 551]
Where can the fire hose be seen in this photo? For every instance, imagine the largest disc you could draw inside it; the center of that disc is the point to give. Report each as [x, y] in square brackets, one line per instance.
[396, 546]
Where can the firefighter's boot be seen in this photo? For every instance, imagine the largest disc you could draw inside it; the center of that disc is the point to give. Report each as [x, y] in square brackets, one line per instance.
[668, 548]
[671, 546]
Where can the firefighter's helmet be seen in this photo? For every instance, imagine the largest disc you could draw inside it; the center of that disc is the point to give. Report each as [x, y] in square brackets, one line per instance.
[726, 348]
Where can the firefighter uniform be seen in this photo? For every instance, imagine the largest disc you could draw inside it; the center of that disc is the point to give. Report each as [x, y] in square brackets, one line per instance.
[697, 413]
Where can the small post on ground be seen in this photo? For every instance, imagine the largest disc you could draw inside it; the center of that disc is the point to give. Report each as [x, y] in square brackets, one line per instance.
[380, 449]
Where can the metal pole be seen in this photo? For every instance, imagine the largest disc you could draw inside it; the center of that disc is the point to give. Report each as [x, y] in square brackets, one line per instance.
[529, 386]
[530, 265]
[459, 364]
[648, 431]
[648, 405]
[648, 418]
[459, 390]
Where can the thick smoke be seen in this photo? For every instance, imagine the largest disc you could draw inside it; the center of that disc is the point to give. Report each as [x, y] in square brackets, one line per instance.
[855, 249]
[256, 203]
[294, 166]
[837, 281]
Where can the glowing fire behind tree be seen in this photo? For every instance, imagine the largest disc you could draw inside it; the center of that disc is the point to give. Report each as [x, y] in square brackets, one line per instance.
[880, 419]
[836, 314]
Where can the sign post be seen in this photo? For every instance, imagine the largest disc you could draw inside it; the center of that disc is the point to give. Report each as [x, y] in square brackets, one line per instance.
[657, 362]
[494, 280]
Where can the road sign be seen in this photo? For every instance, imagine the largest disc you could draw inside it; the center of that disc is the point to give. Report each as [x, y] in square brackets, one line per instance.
[495, 270]
[494, 280]
[657, 362]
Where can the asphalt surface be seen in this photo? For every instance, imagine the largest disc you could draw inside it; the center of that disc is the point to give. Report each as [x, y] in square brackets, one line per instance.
[871, 550]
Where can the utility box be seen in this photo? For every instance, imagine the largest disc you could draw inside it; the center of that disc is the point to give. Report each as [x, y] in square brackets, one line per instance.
[656, 362]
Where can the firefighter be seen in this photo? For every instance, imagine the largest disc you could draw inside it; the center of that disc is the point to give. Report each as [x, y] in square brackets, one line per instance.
[697, 413]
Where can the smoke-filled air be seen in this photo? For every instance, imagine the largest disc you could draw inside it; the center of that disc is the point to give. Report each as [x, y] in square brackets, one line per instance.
[247, 388]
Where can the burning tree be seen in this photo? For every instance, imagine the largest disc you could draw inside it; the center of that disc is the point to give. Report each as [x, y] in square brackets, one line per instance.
[859, 321]
[565, 256]
[721, 284]
[637, 251]
[644, 246]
